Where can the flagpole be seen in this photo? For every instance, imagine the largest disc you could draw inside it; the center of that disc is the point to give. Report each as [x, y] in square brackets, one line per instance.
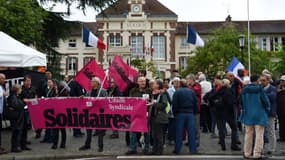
[248, 40]
[65, 86]
[103, 83]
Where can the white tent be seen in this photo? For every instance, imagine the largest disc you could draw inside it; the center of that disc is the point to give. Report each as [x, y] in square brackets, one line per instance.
[15, 54]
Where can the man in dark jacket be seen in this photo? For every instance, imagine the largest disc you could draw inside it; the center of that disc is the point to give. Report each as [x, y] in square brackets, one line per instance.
[184, 105]
[270, 91]
[113, 91]
[281, 108]
[223, 101]
[76, 91]
[139, 91]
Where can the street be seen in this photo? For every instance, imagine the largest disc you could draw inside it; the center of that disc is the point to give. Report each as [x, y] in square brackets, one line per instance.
[116, 148]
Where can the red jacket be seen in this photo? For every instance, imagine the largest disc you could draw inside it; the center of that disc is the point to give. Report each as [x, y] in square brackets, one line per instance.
[198, 91]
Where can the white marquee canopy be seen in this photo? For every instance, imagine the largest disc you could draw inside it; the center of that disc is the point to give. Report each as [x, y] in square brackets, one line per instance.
[15, 54]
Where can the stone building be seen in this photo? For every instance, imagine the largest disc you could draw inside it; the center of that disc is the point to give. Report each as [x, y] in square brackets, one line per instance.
[148, 29]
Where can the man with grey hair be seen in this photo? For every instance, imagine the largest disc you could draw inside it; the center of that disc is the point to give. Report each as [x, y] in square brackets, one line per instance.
[196, 87]
[3, 95]
[96, 91]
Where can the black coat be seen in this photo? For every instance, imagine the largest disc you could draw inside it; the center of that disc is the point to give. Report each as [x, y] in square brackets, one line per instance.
[14, 101]
[227, 101]
[281, 103]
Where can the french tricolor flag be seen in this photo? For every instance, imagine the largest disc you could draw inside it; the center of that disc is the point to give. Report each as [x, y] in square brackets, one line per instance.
[193, 37]
[234, 66]
[90, 39]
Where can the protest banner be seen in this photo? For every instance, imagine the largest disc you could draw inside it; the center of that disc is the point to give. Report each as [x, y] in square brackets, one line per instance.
[120, 113]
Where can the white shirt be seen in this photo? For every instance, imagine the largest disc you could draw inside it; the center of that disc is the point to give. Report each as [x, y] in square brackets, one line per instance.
[206, 87]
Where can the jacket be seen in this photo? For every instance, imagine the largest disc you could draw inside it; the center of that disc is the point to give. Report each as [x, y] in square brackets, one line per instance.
[271, 93]
[94, 93]
[14, 101]
[158, 112]
[184, 101]
[255, 105]
[227, 101]
[280, 101]
[198, 91]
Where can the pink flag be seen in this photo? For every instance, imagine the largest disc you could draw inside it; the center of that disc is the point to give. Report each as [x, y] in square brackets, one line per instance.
[91, 69]
[122, 73]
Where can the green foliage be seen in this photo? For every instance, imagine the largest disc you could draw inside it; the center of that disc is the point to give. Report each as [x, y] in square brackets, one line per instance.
[22, 19]
[141, 64]
[218, 51]
[98, 5]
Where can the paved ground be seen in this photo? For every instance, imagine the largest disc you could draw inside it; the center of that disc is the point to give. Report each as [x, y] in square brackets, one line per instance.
[115, 149]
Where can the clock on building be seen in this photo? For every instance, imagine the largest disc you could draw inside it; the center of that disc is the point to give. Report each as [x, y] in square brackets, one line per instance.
[136, 8]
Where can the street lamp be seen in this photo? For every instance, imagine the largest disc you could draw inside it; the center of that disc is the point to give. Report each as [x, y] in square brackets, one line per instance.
[241, 40]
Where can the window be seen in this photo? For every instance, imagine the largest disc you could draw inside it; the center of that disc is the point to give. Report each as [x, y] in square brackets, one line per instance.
[183, 62]
[137, 46]
[263, 43]
[158, 43]
[86, 60]
[72, 43]
[274, 45]
[71, 65]
[115, 40]
[283, 41]
[183, 43]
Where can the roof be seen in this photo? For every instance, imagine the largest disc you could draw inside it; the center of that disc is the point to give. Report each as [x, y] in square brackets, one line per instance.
[256, 27]
[152, 8]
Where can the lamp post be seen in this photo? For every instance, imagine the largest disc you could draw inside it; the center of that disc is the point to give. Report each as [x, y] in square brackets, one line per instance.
[241, 45]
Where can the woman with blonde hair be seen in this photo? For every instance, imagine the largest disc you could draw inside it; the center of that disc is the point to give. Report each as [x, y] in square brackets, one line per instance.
[223, 101]
[16, 117]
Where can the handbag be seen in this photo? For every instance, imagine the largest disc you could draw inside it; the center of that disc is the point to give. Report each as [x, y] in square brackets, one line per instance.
[10, 113]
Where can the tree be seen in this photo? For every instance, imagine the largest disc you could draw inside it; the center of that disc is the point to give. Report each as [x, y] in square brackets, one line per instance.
[22, 19]
[219, 49]
[28, 22]
[142, 64]
[98, 5]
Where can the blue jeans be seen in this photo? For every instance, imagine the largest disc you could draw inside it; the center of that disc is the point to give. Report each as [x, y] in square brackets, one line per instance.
[185, 120]
[133, 141]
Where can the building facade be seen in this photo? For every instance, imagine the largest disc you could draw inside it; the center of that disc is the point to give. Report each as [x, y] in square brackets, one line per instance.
[147, 29]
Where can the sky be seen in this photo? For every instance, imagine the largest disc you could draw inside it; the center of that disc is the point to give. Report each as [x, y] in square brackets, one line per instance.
[202, 10]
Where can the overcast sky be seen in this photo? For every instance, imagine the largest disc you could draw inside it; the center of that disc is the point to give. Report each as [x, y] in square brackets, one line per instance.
[206, 10]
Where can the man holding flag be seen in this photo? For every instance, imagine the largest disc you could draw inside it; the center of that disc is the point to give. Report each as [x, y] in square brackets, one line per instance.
[96, 91]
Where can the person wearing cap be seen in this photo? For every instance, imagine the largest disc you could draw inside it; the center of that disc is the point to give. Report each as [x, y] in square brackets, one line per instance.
[270, 91]
[96, 91]
[255, 107]
[281, 108]
[171, 124]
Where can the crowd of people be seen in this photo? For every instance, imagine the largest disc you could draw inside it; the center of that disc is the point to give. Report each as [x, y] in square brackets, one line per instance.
[178, 109]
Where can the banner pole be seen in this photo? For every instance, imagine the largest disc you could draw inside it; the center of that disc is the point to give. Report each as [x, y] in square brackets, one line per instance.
[102, 83]
[65, 86]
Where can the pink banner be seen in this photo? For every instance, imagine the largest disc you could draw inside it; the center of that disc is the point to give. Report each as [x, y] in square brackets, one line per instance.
[125, 114]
